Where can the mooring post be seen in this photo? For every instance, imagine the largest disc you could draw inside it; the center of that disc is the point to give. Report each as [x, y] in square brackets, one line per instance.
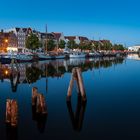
[81, 85]
[34, 95]
[14, 113]
[69, 93]
[77, 84]
[8, 111]
[40, 105]
[43, 105]
[11, 112]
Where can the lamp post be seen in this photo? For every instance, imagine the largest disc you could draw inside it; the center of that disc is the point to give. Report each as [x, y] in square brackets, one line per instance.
[5, 44]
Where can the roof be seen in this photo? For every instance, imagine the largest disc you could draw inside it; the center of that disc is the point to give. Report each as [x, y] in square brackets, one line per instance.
[56, 35]
[70, 37]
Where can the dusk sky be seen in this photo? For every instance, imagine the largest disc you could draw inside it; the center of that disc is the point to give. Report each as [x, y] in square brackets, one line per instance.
[117, 20]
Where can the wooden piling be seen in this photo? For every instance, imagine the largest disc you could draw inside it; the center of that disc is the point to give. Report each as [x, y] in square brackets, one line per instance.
[34, 95]
[77, 76]
[71, 85]
[8, 111]
[77, 85]
[81, 85]
[43, 105]
[14, 113]
[40, 105]
[11, 112]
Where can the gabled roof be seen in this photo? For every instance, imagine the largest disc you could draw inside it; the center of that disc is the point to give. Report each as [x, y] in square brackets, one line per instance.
[17, 29]
[56, 35]
[71, 38]
[81, 38]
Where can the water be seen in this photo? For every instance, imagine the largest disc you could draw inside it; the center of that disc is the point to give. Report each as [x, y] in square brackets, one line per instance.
[112, 110]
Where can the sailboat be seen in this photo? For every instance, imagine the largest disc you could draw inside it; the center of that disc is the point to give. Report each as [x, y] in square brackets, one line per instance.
[45, 56]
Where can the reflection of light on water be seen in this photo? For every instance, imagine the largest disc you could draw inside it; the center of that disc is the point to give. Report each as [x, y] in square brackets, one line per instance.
[133, 57]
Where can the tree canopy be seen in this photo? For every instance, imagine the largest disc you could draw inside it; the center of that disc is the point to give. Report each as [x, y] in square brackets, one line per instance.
[50, 45]
[32, 42]
[62, 44]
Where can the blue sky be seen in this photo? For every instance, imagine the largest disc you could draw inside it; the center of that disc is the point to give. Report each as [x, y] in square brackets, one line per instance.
[117, 20]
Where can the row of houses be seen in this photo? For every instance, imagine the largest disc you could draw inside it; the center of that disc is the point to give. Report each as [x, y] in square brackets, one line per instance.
[15, 39]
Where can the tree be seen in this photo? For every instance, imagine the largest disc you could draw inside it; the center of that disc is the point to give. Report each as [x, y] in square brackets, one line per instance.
[32, 42]
[50, 45]
[118, 47]
[33, 74]
[62, 44]
[72, 44]
[85, 45]
[107, 45]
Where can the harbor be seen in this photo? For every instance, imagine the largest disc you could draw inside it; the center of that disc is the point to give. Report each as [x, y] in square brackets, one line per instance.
[45, 85]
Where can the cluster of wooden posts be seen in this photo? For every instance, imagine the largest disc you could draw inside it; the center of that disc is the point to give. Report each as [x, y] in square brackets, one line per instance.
[38, 100]
[76, 76]
[11, 112]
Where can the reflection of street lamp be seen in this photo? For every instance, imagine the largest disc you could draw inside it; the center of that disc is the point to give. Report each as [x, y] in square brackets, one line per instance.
[6, 72]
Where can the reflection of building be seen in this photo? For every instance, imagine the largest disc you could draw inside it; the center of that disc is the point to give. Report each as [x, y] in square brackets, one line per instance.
[32, 72]
[133, 56]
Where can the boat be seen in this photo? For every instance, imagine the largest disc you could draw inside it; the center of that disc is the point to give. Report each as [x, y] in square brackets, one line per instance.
[24, 57]
[60, 56]
[43, 56]
[6, 58]
[56, 55]
[77, 55]
[94, 54]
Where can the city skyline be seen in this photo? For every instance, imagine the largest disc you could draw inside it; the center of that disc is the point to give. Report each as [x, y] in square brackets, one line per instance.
[117, 21]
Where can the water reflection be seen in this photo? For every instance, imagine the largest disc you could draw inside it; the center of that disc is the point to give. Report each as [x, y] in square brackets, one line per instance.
[11, 132]
[134, 56]
[107, 113]
[77, 117]
[14, 79]
[31, 72]
[40, 119]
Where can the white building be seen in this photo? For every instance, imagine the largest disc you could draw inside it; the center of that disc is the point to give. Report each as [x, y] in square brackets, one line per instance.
[134, 48]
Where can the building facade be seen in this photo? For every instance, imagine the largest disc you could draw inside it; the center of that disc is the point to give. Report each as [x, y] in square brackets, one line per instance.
[21, 34]
[8, 42]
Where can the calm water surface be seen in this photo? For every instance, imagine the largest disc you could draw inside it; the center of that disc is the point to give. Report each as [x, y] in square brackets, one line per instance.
[112, 111]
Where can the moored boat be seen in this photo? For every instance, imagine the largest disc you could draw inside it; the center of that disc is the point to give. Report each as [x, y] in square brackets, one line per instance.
[23, 57]
[43, 56]
[77, 55]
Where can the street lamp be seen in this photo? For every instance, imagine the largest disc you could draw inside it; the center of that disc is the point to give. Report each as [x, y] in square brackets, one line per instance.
[6, 40]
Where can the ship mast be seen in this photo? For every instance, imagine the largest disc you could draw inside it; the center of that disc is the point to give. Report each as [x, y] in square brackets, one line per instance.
[46, 48]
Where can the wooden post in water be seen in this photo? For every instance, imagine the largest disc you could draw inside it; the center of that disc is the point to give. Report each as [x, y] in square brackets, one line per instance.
[14, 113]
[40, 105]
[11, 112]
[34, 95]
[81, 85]
[8, 111]
[71, 85]
[76, 75]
